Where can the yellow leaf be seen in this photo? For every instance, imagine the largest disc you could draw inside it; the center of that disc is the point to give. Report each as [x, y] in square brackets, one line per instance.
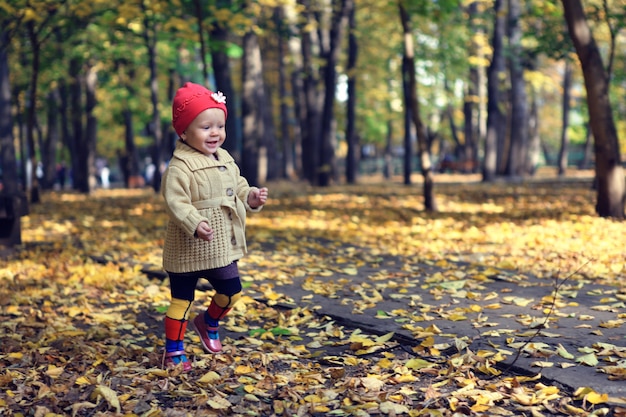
[219, 403]
[82, 381]
[524, 399]
[109, 395]
[54, 371]
[456, 317]
[547, 389]
[320, 409]
[479, 408]
[518, 301]
[611, 324]
[243, 369]
[417, 363]
[209, 377]
[405, 378]
[163, 373]
[428, 342]
[589, 359]
[372, 383]
[13, 310]
[384, 338]
[562, 352]
[312, 398]
[388, 407]
[76, 407]
[475, 308]
[351, 361]
[589, 395]
[542, 364]
[385, 363]
[251, 397]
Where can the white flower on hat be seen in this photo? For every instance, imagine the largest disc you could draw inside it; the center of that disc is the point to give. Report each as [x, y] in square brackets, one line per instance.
[219, 97]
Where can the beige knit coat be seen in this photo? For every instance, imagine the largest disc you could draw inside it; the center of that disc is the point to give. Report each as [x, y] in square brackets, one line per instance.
[197, 188]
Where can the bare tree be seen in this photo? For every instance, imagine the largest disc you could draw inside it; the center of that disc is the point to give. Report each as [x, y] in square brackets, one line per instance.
[567, 96]
[352, 158]
[611, 189]
[495, 117]
[11, 232]
[150, 39]
[518, 149]
[326, 169]
[412, 107]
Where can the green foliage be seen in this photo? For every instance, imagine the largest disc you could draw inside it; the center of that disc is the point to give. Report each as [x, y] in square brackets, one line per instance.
[109, 35]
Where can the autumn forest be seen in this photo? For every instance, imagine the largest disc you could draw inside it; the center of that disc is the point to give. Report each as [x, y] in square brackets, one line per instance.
[444, 231]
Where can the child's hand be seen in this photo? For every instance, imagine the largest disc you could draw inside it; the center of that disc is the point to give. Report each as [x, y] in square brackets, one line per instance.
[204, 231]
[257, 197]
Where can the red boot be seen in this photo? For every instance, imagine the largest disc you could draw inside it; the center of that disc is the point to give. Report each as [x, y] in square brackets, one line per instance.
[209, 345]
[168, 360]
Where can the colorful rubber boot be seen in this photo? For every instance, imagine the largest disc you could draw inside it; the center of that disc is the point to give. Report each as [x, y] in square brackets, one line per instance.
[175, 328]
[207, 324]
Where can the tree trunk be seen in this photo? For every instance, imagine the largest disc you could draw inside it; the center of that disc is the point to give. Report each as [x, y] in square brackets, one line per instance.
[150, 40]
[611, 190]
[129, 157]
[30, 113]
[66, 131]
[80, 165]
[409, 129]
[10, 228]
[49, 148]
[412, 106]
[495, 117]
[534, 139]
[200, 22]
[297, 91]
[326, 169]
[270, 159]
[312, 100]
[91, 131]
[471, 99]
[253, 122]
[288, 166]
[218, 45]
[518, 149]
[563, 152]
[588, 153]
[8, 160]
[352, 158]
[387, 157]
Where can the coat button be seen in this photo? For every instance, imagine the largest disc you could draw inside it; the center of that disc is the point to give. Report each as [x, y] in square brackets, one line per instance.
[222, 168]
[233, 241]
[229, 192]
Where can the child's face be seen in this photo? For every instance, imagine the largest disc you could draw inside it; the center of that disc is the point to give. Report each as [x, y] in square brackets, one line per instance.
[207, 131]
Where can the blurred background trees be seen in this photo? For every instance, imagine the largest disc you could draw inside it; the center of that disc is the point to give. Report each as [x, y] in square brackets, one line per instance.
[318, 90]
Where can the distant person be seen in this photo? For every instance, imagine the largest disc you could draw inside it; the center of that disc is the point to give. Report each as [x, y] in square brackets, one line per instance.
[149, 171]
[207, 200]
[105, 177]
[61, 174]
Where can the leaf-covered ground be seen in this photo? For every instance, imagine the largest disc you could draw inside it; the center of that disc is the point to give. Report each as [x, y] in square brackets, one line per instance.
[81, 323]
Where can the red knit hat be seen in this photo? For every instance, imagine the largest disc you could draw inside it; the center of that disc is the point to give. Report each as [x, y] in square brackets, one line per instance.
[192, 99]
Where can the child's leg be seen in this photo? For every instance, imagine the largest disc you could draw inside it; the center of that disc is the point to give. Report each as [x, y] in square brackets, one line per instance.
[227, 293]
[176, 318]
[221, 304]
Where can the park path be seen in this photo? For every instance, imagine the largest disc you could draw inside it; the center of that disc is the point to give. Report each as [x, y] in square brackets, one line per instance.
[487, 308]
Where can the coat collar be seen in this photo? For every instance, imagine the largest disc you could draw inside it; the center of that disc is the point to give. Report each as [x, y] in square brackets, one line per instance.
[197, 160]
